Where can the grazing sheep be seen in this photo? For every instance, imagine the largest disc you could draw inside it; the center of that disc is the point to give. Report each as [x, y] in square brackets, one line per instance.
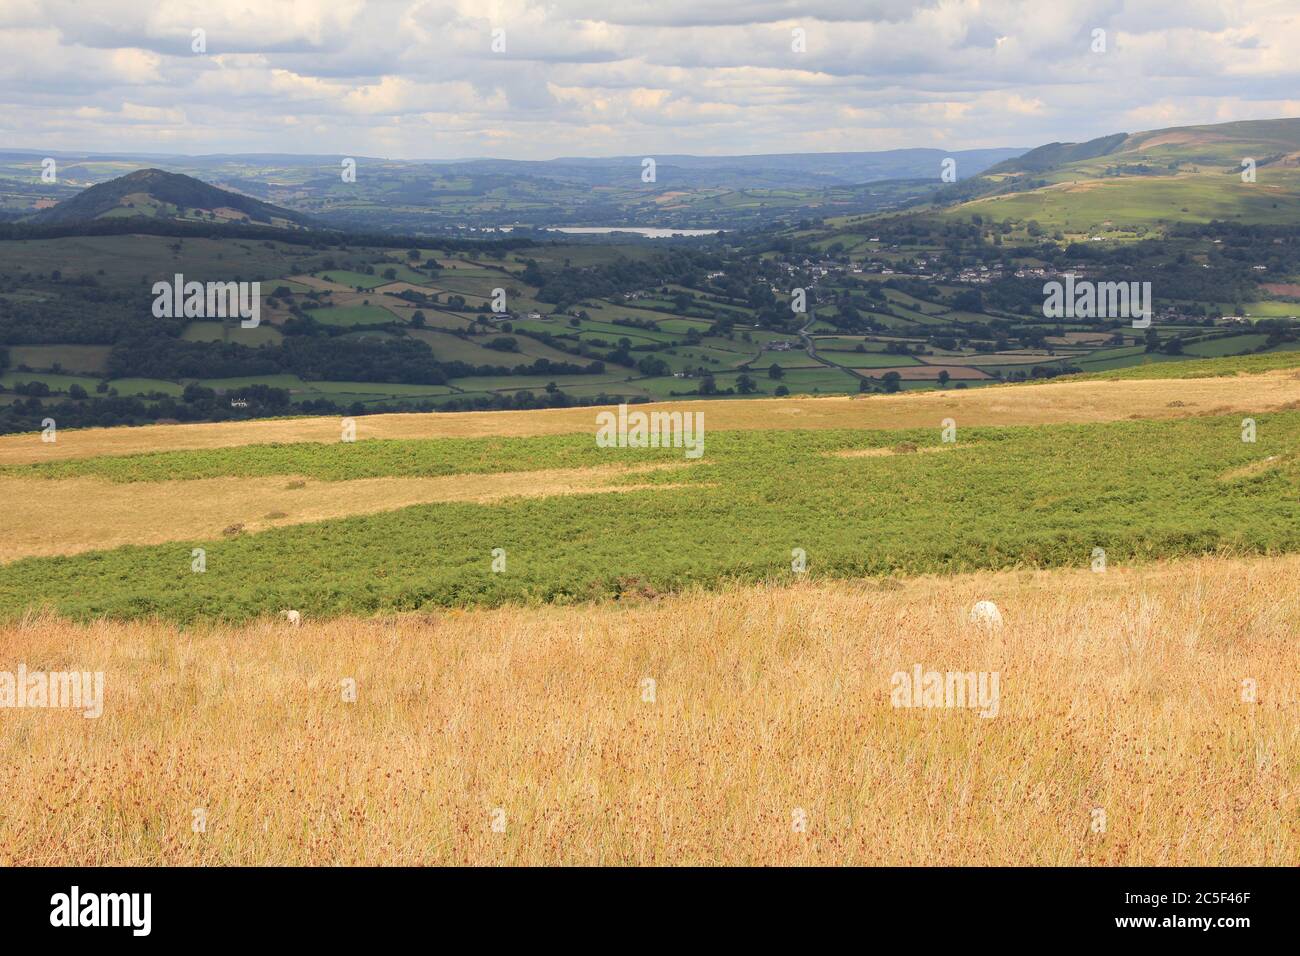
[987, 614]
[295, 619]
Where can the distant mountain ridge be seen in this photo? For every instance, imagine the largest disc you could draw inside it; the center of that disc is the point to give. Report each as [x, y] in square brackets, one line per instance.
[358, 193]
[791, 169]
[1212, 143]
[1125, 183]
[773, 170]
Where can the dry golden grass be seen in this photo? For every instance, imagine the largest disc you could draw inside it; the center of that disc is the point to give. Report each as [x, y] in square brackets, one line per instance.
[1256, 468]
[906, 448]
[1089, 401]
[1120, 691]
[71, 515]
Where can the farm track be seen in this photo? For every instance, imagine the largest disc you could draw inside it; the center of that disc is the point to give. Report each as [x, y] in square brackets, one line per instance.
[810, 346]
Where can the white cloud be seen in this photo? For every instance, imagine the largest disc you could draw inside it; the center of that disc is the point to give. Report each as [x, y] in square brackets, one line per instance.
[418, 78]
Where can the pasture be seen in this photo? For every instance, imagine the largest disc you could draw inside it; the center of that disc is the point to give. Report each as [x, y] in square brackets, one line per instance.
[690, 729]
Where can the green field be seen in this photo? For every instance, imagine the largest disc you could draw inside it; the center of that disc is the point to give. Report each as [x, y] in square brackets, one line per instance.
[71, 358]
[492, 383]
[263, 334]
[353, 315]
[145, 386]
[808, 380]
[1275, 309]
[403, 273]
[453, 348]
[1228, 345]
[336, 391]
[1122, 357]
[1035, 496]
[355, 279]
[61, 383]
[868, 359]
[56, 382]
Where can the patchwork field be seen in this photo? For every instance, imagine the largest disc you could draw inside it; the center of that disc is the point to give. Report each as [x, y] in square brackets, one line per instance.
[689, 337]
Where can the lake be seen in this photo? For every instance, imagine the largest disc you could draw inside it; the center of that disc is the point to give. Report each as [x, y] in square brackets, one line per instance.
[650, 232]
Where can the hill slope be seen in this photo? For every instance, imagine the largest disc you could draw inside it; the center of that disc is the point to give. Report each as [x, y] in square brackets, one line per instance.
[1054, 155]
[1143, 181]
[154, 193]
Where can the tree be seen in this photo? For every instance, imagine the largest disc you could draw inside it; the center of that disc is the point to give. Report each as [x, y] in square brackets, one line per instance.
[652, 366]
[892, 381]
[745, 385]
[417, 320]
[776, 372]
[944, 376]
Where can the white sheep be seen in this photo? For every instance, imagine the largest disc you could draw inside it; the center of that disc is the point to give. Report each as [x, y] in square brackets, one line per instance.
[295, 619]
[986, 613]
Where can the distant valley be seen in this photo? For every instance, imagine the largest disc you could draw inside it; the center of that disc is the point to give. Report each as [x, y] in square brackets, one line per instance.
[380, 195]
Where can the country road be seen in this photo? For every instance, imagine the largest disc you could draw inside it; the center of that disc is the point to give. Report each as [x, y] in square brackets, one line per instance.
[811, 349]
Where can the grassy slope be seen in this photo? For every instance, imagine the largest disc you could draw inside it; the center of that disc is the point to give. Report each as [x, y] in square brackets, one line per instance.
[1001, 497]
[1119, 691]
[1197, 178]
[1092, 205]
[1200, 368]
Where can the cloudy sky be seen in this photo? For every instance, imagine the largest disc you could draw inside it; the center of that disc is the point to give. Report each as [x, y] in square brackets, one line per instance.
[420, 78]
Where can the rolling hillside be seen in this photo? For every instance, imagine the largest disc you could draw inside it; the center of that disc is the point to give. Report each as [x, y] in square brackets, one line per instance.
[1141, 182]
